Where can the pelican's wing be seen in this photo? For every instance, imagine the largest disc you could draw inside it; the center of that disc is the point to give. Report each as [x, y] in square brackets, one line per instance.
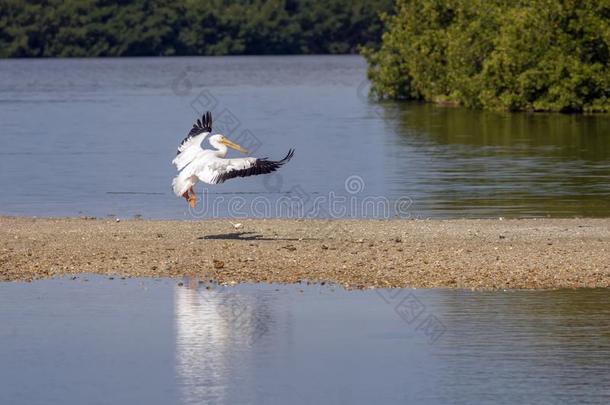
[208, 167]
[191, 145]
[200, 130]
[245, 167]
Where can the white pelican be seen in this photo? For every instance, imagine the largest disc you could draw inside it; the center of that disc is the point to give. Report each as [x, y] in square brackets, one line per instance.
[210, 166]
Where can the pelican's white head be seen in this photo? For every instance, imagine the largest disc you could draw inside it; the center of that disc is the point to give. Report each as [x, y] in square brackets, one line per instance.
[220, 142]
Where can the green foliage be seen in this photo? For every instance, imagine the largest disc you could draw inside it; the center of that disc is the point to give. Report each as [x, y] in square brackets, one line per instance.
[38, 28]
[536, 55]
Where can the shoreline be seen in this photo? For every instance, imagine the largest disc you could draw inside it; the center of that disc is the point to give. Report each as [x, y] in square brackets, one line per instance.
[461, 253]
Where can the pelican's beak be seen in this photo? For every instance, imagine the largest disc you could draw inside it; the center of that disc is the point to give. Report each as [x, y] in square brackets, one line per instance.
[233, 146]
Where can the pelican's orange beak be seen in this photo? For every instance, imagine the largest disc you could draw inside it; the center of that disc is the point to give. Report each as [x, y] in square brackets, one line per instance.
[233, 145]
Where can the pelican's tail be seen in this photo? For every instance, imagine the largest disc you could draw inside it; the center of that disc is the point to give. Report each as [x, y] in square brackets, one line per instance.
[181, 184]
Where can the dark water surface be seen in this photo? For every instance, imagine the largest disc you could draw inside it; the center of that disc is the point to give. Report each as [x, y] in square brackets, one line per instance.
[99, 341]
[96, 137]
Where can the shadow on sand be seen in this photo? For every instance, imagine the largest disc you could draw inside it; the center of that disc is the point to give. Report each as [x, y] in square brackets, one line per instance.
[247, 236]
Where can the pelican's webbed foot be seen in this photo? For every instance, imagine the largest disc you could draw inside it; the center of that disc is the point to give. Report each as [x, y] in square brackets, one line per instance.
[192, 200]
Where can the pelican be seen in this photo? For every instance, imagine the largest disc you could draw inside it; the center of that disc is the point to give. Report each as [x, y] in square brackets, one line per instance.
[209, 165]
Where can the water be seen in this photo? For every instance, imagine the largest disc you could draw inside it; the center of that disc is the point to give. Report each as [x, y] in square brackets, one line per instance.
[94, 340]
[96, 137]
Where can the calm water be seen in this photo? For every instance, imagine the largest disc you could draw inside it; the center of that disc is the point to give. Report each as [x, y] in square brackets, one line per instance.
[155, 342]
[96, 137]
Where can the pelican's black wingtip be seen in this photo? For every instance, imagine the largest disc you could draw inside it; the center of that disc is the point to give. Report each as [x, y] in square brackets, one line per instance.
[206, 121]
[289, 156]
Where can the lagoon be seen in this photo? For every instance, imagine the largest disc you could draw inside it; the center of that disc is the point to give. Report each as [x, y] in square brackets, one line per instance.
[97, 340]
[95, 137]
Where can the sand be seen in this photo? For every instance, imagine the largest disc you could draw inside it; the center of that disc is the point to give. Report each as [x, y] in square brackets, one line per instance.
[480, 254]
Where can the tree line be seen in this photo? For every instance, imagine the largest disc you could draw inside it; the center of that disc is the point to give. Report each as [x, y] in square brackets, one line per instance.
[533, 55]
[82, 28]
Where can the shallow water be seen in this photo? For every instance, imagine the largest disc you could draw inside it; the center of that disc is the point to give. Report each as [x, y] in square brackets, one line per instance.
[96, 137]
[94, 340]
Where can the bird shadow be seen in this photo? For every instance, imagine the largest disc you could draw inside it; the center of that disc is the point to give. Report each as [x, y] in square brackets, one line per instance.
[247, 236]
